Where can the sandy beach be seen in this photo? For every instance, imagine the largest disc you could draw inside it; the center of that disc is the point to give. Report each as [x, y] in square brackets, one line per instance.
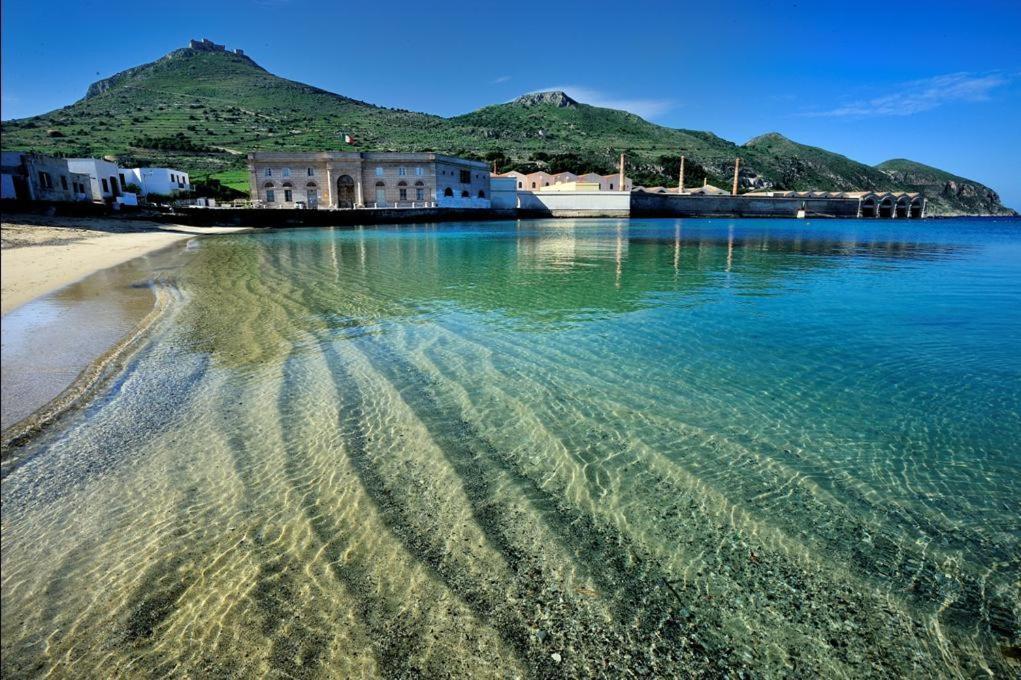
[43, 254]
[46, 347]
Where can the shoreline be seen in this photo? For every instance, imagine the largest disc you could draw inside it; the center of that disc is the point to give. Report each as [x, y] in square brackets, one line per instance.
[41, 255]
[72, 306]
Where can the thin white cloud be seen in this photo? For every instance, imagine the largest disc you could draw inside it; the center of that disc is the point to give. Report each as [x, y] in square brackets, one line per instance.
[501, 79]
[646, 108]
[917, 96]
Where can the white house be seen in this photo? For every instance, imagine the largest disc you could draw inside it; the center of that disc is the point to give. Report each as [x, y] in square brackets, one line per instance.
[105, 177]
[162, 181]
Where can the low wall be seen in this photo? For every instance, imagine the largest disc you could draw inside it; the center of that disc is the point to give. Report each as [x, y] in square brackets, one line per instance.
[739, 206]
[574, 204]
[261, 217]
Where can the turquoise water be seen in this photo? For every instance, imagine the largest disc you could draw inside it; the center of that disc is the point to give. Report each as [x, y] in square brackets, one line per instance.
[548, 448]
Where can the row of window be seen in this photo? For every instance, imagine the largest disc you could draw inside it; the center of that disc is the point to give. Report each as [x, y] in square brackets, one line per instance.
[311, 172]
[402, 192]
[464, 193]
[46, 182]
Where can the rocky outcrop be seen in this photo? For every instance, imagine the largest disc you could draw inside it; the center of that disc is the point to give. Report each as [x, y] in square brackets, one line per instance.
[552, 98]
[947, 194]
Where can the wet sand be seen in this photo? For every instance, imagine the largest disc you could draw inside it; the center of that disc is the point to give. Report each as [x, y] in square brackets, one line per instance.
[72, 288]
[43, 254]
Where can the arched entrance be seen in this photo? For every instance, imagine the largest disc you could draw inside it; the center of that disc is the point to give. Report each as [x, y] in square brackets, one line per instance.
[345, 191]
[916, 208]
[903, 206]
[886, 208]
[868, 207]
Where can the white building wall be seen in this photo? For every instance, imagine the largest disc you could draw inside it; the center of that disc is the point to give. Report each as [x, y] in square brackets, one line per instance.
[7, 186]
[163, 181]
[97, 169]
[597, 201]
[504, 192]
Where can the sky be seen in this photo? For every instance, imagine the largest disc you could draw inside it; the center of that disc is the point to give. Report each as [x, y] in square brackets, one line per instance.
[937, 82]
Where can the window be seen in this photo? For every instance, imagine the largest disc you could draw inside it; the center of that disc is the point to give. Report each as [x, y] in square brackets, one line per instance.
[106, 187]
[448, 192]
[482, 194]
[379, 171]
[287, 172]
[311, 172]
[419, 194]
[611, 186]
[466, 177]
[533, 185]
[521, 185]
[287, 196]
[419, 172]
[271, 196]
[402, 171]
[403, 194]
[269, 172]
[172, 178]
[63, 182]
[465, 194]
[44, 180]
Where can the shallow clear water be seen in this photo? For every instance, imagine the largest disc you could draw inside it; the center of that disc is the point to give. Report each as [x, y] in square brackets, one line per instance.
[553, 448]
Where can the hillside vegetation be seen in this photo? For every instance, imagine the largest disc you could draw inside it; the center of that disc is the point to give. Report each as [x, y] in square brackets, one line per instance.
[202, 111]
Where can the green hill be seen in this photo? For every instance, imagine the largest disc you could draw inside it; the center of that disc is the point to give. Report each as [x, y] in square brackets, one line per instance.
[202, 110]
[943, 188]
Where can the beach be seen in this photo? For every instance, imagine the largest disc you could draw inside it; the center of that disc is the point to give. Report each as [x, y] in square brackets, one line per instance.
[43, 254]
[92, 274]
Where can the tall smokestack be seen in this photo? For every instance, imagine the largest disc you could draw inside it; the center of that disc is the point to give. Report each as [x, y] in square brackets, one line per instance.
[737, 166]
[680, 179]
[621, 179]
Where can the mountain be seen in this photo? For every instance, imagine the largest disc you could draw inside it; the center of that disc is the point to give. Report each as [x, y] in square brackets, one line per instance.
[202, 109]
[943, 188]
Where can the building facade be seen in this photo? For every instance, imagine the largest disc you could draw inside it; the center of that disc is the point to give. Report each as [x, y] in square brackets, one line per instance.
[104, 177]
[161, 181]
[341, 180]
[35, 177]
[544, 181]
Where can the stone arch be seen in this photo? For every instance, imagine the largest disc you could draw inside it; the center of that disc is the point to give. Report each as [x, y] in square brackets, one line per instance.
[868, 206]
[345, 191]
[465, 194]
[903, 207]
[886, 207]
[482, 194]
[916, 208]
[448, 192]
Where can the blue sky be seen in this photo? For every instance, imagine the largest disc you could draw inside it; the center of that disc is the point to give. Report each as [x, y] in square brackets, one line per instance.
[937, 82]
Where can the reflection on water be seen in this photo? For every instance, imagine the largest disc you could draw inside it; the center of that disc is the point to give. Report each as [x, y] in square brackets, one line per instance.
[661, 447]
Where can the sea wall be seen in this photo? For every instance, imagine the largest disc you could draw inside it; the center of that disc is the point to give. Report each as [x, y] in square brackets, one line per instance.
[574, 204]
[262, 217]
[644, 204]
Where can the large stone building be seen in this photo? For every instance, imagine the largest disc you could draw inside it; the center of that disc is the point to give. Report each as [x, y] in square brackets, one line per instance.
[337, 179]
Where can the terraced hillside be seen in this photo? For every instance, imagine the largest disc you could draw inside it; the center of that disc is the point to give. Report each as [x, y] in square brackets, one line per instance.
[203, 110]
